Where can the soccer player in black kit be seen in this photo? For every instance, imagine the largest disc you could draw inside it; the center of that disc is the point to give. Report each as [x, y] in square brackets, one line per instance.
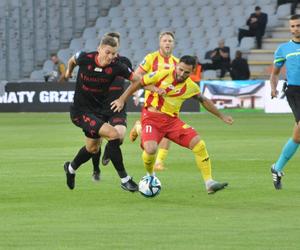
[97, 71]
[116, 119]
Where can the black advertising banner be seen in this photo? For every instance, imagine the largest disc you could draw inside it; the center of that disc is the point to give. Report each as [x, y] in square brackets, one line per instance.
[37, 97]
[53, 97]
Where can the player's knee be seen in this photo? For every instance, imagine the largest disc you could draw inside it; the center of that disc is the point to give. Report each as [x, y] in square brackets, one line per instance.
[93, 149]
[150, 147]
[113, 134]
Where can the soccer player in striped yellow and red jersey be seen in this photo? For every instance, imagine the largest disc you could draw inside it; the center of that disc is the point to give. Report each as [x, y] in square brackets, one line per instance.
[172, 87]
[158, 60]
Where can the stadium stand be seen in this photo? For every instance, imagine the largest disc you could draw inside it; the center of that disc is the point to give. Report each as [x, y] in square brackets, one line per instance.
[31, 30]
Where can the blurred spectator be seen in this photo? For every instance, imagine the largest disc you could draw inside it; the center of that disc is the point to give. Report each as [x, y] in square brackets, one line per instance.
[257, 23]
[293, 5]
[196, 75]
[57, 74]
[220, 57]
[239, 67]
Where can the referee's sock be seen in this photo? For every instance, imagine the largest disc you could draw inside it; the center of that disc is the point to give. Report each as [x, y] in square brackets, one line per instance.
[82, 156]
[115, 154]
[287, 153]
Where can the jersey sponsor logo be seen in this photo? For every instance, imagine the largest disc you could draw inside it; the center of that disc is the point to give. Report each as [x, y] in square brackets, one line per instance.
[98, 69]
[108, 70]
[143, 62]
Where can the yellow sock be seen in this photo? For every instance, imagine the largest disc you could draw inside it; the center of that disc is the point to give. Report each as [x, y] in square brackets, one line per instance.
[202, 160]
[148, 162]
[161, 155]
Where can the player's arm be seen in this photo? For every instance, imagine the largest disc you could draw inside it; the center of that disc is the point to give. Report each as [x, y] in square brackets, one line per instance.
[62, 71]
[274, 81]
[210, 107]
[118, 104]
[70, 67]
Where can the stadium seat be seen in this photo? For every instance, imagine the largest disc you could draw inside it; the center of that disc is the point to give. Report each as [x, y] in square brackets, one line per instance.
[209, 74]
[91, 44]
[247, 43]
[283, 10]
[90, 32]
[64, 55]
[76, 44]
[37, 75]
[48, 66]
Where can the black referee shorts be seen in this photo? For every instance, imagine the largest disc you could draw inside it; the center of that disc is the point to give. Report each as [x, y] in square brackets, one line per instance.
[293, 96]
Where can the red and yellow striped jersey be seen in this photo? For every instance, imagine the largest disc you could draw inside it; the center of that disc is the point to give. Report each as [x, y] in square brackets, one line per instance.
[156, 61]
[177, 93]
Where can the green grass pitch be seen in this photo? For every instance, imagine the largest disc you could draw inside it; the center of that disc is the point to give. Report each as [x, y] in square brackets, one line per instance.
[38, 211]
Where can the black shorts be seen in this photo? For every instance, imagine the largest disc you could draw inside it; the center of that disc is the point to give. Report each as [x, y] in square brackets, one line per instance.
[293, 97]
[118, 118]
[91, 123]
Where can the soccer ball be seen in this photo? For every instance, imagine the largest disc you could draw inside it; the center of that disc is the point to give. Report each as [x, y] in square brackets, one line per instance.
[149, 186]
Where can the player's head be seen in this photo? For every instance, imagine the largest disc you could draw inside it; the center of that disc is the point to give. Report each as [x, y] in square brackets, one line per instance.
[116, 36]
[185, 67]
[295, 26]
[54, 58]
[107, 50]
[166, 42]
[257, 10]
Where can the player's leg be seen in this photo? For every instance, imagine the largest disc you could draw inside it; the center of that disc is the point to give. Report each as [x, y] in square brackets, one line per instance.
[135, 131]
[115, 154]
[186, 136]
[90, 125]
[119, 122]
[151, 136]
[84, 154]
[204, 164]
[290, 148]
[162, 153]
[96, 164]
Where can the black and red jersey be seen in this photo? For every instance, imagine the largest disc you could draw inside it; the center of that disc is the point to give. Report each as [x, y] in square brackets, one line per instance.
[117, 87]
[93, 81]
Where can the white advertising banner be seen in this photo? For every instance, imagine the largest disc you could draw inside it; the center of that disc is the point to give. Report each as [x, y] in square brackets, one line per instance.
[279, 104]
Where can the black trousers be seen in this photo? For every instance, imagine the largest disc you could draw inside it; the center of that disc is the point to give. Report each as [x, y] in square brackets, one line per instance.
[250, 33]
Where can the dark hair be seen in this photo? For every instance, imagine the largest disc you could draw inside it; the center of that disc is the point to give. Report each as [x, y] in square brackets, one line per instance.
[114, 35]
[189, 60]
[238, 54]
[108, 40]
[170, 33]
[257, 8]
[53, 54]
[295, 17]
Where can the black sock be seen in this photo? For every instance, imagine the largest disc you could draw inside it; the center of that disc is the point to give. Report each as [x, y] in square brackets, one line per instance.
[106, 153]
[115, 154]
[96, 160]
[82, 156]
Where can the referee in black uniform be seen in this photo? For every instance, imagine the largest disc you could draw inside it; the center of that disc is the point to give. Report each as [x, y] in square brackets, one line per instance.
[97, 71]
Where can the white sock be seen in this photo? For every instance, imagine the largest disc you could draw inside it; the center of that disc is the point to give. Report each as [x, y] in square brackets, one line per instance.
[71, 170]
[125, 179]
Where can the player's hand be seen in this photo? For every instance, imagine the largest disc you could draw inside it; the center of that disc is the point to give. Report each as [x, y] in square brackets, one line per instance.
[227, 119]
[274, 93]
[117, 105]
[160, 91]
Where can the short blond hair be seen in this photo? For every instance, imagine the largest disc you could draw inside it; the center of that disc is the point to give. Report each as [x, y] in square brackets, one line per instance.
[170, 33]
